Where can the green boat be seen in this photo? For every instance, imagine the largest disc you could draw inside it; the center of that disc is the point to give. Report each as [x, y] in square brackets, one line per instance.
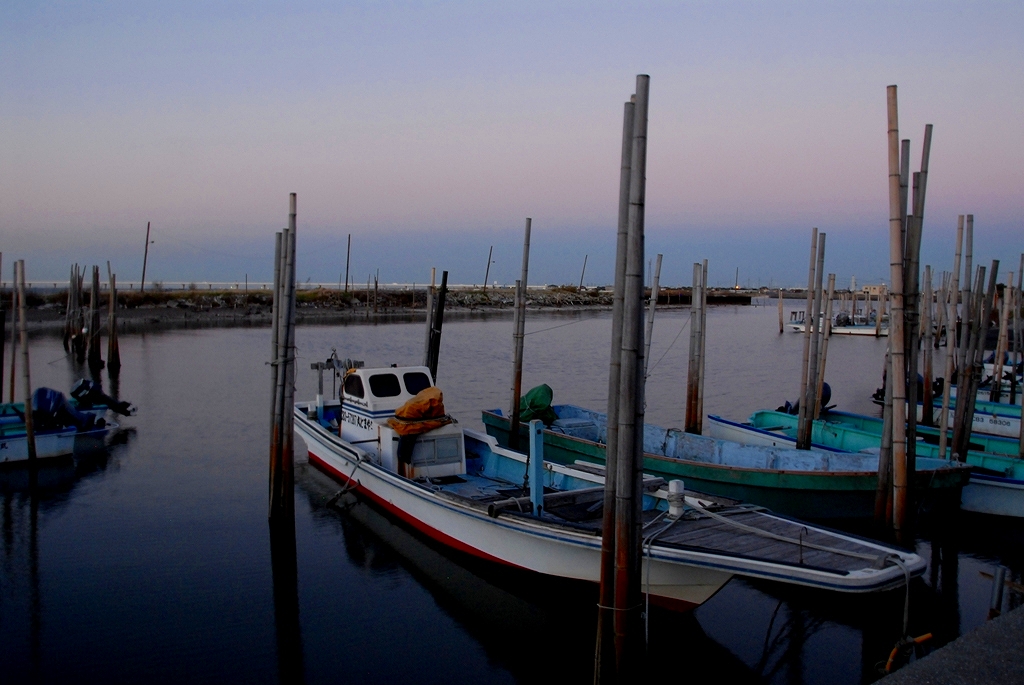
[996, 485]
[813, 484]
[992, 444]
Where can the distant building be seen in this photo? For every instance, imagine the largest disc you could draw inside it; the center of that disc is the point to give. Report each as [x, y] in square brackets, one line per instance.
[873, 290]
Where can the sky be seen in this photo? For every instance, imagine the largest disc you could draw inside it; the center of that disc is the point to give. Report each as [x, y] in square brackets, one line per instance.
[430, 131]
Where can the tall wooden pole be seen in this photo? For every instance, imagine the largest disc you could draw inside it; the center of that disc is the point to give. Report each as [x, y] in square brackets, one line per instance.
[518, 335]
[965, 297]
[896, 337]
[583, 273]
[808, 314]
[927, 400]
[282, 490]
[808, 400]
[976, 354]
[275, 316]
[95, 360]
[826, 334]
[1001, 342]
[348, 259]
[487, 271]
[3, 330]
[113, 349]
[434, 353]
[781, 323]
[604, 653]
[1017, 346]
[690, 425]
[952, 298]
[702, 357]
[145, 260]
[629, 664]
[30, 435]
[14, 336]
[648, 332]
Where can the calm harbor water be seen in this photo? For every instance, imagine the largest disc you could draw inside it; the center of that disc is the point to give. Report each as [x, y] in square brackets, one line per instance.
[151, 562]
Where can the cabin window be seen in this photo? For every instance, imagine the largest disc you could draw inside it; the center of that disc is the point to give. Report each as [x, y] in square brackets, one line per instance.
[354, 386]
[415, 381]
[385, 385]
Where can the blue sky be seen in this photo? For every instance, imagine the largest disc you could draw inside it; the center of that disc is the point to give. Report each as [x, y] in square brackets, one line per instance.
[431, 130]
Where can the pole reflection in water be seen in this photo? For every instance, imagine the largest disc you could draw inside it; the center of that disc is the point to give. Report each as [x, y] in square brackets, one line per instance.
[284, 565]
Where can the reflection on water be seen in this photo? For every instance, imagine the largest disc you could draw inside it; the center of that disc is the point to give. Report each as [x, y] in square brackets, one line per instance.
[153, 561]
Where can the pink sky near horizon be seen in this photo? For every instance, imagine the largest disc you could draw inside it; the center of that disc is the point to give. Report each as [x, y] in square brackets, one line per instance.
[457, 119]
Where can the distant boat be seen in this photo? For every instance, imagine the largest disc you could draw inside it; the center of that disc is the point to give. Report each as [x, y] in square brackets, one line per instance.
[996, 484]
[815, 484]
[464, 490]
[842, 324]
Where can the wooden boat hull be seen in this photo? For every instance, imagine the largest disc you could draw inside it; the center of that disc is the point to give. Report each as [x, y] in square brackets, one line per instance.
[789, 490]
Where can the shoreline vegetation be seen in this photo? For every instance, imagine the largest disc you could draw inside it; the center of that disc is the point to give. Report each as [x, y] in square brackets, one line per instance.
[159, 309]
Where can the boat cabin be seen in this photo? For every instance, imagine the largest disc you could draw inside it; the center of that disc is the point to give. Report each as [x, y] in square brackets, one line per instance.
[368, 398]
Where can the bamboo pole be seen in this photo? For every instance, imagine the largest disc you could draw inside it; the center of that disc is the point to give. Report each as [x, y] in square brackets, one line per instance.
[952, 298]
[648, 332]
[282, 491]
[702, 357]
[430, 315]
[487, 271]
[14, 324]
[1001, 342]
[95, 360]
[896, 337]
[113, 349]
[583, 273]
[275, 317]
[978, 355]
[145, 260]
[824, 345]
[435, 334]
[3, 330]
[518, 335]
[928, 416]
[629, 664]
[690, 425]
[808, 400]
[1017, 330]
[348, 259]
[804, 368]
[781, 323]
[30, 436]
[604, 654]
[966, 298]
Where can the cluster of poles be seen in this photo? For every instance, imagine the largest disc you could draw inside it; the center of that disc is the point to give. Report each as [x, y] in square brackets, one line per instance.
[619, 648]
[282, 373]
[19, 338]
[817, 331]
[82, 327]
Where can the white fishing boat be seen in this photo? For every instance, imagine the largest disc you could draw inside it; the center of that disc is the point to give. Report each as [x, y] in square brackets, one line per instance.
[461, 488]
[843, 325]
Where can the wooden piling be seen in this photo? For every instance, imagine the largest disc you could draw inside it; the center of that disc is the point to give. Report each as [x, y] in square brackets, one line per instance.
[1001, 342]
[927, 400]
[30, 436]
[1018, 347]
[807, 400]
[690, 425]
[282, 487]
[702, 346]
[896, 324]
[435, 331]
[808, 313]
[952, 297]
[965, 297]
[518, 336]
[826, 334]
[95, 360]
[781, 324]
[113, 349]
[583, 272]
[977, 354]
[3, 330]
[275, 316]
[649, 330]
[604, 653]
[628, 645]
[487, 271]
[14, 336]
[348, 259]
[145, 260]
